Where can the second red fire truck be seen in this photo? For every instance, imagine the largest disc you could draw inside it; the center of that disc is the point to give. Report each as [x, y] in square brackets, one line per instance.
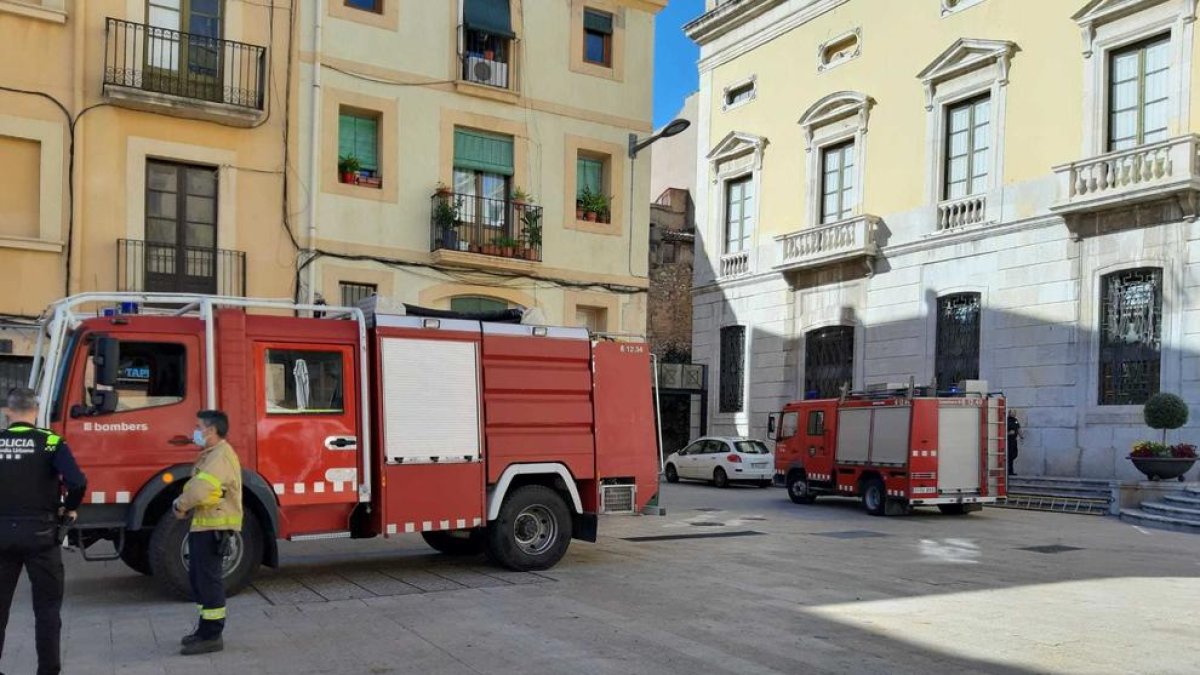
[895, 447]
[477, 435]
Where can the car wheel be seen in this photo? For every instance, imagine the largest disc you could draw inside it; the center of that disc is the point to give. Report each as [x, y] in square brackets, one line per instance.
[798, 490]
[455, 542]
[671, 473]
[873, 497]
[720, 478]
[953, 509]
[169, 555]
[532, 532]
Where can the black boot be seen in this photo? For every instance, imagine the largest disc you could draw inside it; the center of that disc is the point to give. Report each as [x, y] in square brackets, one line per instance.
[201, 646]
[187, 639]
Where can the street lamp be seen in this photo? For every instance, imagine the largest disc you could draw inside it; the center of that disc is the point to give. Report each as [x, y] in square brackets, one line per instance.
[673, 127]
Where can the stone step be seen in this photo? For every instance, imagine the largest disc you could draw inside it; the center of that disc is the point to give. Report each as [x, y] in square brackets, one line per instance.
[1147, 519]
[1184, 499]
[1172, 511]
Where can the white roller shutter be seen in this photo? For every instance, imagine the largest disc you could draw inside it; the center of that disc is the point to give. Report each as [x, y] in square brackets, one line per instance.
[430, 400]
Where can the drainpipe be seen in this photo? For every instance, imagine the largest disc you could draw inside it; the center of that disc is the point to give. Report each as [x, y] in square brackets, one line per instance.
[78, 14]
[314, 139]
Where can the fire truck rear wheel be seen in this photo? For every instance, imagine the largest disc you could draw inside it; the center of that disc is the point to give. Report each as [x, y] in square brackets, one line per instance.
[874, 497]
[135, 552]
[798, 489]
[168, 555]
[455, 542]
[953, 509]
[532, 531]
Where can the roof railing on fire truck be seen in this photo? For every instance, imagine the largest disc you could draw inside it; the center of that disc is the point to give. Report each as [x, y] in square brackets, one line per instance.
[912, 390]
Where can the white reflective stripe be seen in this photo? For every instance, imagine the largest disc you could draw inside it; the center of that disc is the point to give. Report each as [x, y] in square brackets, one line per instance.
[391, 528]
[477, 522]
[278, 488]
[99, 497]
[462, 523]
[410, 527]
[426, 526]
[298, 488]
[339, 486]
[318, 487]
[122, 497]
[445, 525]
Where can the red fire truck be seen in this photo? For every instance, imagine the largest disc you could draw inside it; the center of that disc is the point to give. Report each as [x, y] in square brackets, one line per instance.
[480, 436]
[895, 447]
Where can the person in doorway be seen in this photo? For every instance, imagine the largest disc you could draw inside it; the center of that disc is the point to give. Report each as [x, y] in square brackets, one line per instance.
[1014, 437]
[212, 498]
[35, 465]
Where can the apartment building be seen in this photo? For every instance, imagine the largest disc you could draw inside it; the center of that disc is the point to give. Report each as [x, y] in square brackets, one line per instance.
[474, 155]
[947, 190]
[142, 146]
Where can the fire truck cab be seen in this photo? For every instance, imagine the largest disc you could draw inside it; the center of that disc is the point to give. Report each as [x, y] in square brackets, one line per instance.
[895, 446]
[481, 436]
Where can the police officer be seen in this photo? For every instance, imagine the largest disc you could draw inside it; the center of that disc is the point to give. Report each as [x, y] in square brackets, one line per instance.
[212, 498]
[35, 464]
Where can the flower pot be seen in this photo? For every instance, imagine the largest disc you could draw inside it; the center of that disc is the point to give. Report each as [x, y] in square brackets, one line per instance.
[592, 217]
[531, 254]
[491, 249]
[1163, 468]
[507, 251]
[489, 54]
[474, 248]
[578, 213]
[348, 177]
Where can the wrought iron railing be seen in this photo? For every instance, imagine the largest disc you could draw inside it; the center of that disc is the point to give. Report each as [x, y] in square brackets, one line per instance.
[486, 59]
[504, 228]
[181, 64]
[144, 266]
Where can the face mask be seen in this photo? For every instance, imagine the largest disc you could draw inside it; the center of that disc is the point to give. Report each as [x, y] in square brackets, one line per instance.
[198, 437]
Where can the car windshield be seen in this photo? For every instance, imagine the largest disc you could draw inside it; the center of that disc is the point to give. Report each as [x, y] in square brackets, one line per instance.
[751, 448]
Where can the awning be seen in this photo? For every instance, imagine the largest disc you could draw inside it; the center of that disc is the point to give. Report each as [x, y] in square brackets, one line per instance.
[489, 16]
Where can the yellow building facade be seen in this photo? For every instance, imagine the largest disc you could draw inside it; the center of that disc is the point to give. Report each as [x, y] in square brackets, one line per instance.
[453, 144]
[142, 148]
[949, 190]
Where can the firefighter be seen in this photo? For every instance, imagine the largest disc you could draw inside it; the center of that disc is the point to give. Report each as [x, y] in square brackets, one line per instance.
[35, 464]
[212, 498]
[1014, 436]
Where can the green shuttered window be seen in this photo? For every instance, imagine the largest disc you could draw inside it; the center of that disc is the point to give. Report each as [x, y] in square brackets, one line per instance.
[589, 174]
[358, 135]
[481, 151]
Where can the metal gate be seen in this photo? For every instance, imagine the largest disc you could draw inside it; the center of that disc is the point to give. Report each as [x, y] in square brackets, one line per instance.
[828, 361]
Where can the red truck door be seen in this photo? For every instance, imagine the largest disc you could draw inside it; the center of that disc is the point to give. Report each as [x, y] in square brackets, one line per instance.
[308, 422]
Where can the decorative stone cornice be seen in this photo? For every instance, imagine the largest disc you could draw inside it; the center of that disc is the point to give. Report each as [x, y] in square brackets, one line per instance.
[964, 56]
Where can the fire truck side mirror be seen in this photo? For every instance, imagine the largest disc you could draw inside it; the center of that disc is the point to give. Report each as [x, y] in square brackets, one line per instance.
[772, 426]
[104, 401]
[105, 358]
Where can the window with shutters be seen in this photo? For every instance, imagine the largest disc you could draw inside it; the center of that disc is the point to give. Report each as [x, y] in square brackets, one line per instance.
[358, 147]
[597, 37]
[1139, 95]
[957, 339]
[1131, 303]
[733, 368]
[483, 170]
[366, 5]
[487, 42]
[592, 192]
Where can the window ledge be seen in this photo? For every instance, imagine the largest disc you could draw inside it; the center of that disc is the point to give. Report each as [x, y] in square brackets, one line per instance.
[486, 91]
[596, 227]
[33, 11]
[479, 260]
[28, 244]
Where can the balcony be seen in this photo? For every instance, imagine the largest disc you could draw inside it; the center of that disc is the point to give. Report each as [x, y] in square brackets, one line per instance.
[150, 267]
[1152, 183]
[485, 232]
[485, 59]
[183, 74]
[734, 265]
[965, 212]
[844, 241]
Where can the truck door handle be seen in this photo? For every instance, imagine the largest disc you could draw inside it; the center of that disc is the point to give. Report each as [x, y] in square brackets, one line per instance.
[341, 442]
[180, 440]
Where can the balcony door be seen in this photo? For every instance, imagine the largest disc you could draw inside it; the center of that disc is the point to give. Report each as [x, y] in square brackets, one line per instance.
[180, 254]
[183, 49]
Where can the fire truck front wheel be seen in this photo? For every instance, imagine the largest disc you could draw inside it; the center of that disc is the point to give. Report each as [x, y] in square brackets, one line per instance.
[532, 531]
[798, 489]
[135, 552]
[169, 555]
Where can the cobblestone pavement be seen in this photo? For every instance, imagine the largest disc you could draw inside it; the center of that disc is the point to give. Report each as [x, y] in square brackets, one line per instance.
[735, 581]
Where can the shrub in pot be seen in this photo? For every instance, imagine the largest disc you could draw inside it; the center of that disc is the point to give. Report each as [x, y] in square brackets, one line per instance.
[1157, 460]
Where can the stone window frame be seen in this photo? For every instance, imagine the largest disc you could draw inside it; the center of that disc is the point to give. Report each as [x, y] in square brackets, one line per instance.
[833, 120]
[858, 369]
[824, 65]
[752, 81]
[987, 326]
[1109, 25]
[616, 70]
[950, 7]
[738, 155]
[50, 137]
[967, 69]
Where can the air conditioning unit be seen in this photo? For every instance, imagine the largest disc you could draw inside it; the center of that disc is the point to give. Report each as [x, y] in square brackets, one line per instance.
[483, 71]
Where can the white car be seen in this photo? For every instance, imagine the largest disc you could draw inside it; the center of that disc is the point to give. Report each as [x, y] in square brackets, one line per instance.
[721, 461]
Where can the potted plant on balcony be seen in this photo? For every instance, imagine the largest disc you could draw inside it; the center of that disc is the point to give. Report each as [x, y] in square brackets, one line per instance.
[507, 246]
[491, 247]
[443, 190]
[595, 205]
[445, 216]
[348, 168]
[520, 198]
[532, 233]
[1159, 461]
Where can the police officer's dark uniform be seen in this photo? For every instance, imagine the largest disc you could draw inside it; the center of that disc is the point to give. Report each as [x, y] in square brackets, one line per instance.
[34, 465]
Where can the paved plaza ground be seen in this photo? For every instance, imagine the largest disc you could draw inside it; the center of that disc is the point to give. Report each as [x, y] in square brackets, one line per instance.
[737, 581]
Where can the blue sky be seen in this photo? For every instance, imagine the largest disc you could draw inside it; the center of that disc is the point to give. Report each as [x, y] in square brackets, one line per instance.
[674, 58]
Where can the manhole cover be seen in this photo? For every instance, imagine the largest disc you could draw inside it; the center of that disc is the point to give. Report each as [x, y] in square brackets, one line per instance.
[706, 509]
[852, 534]
[1051, 548]
[710, 535]
[706, 523]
